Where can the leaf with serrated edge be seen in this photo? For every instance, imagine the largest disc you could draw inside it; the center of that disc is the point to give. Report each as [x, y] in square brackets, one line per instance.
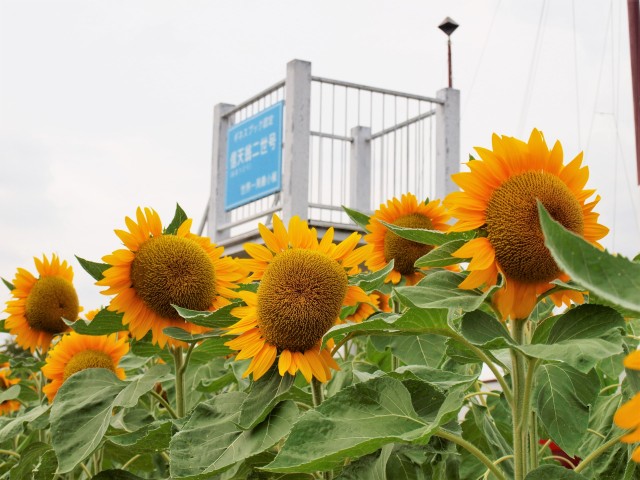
[613, 278]
[265, 393]
[211, 442]
[217, 319]
[356, 421]
[562, 396]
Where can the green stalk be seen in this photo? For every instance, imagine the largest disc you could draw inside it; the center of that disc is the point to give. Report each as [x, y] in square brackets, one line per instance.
[318, 397]
[180, 400]
[518, 406]
[472, 449]
[599, 451]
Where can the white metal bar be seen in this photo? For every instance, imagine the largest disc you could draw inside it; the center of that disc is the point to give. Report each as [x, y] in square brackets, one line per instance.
[376, 89]
[230, 225]
[331, 136]
[417, 118]
[256, 97]
[447, 141]
[217, 214]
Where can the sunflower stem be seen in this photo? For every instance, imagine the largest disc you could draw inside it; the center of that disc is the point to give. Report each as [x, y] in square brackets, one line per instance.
[472, 449]
[180, 400]
[599, 451]
[519, 408]
[318, 397]
[164, 403]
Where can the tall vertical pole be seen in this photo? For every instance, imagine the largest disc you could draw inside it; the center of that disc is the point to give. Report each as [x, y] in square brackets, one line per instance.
[217, 215]
[447, 141]
[449, 57]
[634, 49]
[297, 130]
[360, 172]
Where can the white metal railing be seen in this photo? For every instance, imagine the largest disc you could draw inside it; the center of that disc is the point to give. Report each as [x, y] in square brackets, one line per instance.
[343, 144]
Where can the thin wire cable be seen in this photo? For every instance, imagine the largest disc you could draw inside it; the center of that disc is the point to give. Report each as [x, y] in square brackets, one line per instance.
[533, 69]
[595, 101]
[575, 69]
[480, 59]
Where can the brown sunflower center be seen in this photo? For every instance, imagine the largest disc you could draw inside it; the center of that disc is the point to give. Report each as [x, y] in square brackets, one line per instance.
[173, 270]
[299, 298]
[88, 359]
[405, 252]
[514, 228]
[50, 300]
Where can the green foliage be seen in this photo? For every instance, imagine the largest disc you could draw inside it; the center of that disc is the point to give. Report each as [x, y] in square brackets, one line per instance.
[428, 237]
[370, 281]
[95, 269]
[441, 256]
[178, 219]
[358, 218]
[8, 284]
[563, 396]
[612, 278]
[104, 323]
[37, 462]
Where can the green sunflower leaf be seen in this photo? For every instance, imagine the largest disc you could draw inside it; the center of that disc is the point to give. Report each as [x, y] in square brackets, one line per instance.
[84, 407]
[10, 393]
[613, 278]
[9, 285]
[116, 474]
[428, 237]
[485, 330]
[104, 323]
[440, 290]
[15, 426]
[360, 219]
[412, 322]
[95, 269]
[264, 395]
[545, 472]
[363, 418]
[562, 396]
[184, 336]
[37, 462]
[211, 442]
[178, 219]
[154, 437]
[441, 256]
[581, 337]
[217, 319]
[370, 281]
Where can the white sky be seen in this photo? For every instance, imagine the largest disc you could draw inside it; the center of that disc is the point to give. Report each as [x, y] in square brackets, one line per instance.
[107, 105]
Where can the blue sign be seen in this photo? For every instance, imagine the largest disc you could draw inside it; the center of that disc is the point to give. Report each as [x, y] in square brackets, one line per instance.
[254, 158]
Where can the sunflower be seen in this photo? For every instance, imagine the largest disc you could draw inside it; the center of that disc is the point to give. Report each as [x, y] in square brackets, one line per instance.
[159, 270]
[377, 301]
[627, 415]
[75, 352]
[7, 406]
[409, 213]
[303, 286]
[499, 197]
[40, 304]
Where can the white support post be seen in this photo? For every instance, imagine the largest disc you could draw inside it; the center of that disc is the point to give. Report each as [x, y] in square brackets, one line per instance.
[360, 171]
[295, 171]
[217, 215]
[447, 141]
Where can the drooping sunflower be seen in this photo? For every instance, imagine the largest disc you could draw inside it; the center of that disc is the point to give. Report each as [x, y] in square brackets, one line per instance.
[6, 382]
[409, 213]
[75, 352]
[628, 415]
[303, 286]
[499, 197]
[157, 270]
[40, 304]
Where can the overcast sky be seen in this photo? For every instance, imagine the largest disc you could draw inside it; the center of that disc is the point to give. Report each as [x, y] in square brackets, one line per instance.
[107, 105]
